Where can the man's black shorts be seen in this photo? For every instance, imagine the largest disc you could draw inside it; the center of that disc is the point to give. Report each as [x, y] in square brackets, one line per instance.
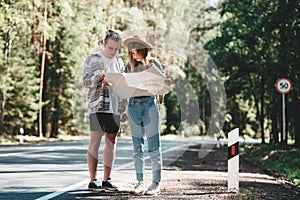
[104, 122]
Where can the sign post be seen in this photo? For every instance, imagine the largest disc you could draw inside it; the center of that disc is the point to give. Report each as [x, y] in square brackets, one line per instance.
[283, 86]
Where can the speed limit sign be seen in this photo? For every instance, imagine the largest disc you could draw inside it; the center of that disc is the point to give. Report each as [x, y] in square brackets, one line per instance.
[283, 85]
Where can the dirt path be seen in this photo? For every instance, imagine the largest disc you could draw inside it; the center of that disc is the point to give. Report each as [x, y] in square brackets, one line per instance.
[255, 183]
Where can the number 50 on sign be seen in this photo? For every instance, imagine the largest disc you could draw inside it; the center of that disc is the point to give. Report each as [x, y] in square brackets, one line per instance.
[283, 85]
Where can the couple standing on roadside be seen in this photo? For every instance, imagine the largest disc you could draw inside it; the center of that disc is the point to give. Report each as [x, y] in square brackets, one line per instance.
[106, 110]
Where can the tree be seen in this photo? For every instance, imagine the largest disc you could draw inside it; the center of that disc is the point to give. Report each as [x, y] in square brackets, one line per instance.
[256, 49]
[18, 84]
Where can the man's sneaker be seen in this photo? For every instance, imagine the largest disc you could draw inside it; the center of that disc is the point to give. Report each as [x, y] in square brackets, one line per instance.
[108, 185]
[154, 189]
[95, 186]
[139, 188]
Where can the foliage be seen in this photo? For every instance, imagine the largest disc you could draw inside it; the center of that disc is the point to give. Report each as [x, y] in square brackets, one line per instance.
[17, 71]
[252, 51]
[189, 130]
[249, 41]
[72, 29]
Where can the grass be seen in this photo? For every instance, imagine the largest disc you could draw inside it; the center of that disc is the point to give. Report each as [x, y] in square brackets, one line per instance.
[248, 194]
[283, 160]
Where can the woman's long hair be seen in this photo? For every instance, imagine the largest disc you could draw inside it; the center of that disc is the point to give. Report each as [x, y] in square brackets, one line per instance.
[141, 49]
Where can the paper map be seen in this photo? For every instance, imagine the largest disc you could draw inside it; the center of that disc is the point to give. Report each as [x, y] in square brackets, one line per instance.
[145, 83]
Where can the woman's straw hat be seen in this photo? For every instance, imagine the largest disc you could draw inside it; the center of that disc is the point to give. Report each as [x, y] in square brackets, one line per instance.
[138, 39]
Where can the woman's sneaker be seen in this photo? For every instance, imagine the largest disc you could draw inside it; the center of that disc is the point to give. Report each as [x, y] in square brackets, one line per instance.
[139, 189]
[154, 189]
[108, 185]
[95, 186]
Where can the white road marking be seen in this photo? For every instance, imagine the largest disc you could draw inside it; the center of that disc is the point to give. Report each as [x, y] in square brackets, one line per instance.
[37, 151]
[80, 183]
[63, 190]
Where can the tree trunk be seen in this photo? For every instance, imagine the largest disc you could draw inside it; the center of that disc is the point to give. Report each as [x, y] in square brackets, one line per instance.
[7, 49]
[256, 101]
[2, 109]
[296, 101]
[55, 118]
[41, 133]
[203, 127]
[297, 121]
[262, 115]
[113, 17]
[274, 132]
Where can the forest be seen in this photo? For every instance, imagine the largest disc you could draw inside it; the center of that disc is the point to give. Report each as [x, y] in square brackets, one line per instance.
[224, 57]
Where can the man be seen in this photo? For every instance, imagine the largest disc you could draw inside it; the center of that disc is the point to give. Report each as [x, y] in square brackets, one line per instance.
[105, 109]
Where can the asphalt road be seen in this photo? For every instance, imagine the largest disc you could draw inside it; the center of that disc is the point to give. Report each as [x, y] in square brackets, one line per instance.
[59, 170]
[193, 169]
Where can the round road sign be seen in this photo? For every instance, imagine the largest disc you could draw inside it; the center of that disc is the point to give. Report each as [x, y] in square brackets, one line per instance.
[283, 85]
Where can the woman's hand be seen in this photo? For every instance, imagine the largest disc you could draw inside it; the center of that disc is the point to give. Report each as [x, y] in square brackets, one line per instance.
[123, 117]
[105, 83]
[168, 81]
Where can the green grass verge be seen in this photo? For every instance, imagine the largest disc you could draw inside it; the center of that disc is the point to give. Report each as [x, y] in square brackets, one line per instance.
[283, 160]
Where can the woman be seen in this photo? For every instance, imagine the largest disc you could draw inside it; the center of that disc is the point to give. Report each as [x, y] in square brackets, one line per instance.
[105, 109]
[144, 119]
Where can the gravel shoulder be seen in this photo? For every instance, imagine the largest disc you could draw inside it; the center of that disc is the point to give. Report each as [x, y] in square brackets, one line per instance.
[191, 177]
[255, 182]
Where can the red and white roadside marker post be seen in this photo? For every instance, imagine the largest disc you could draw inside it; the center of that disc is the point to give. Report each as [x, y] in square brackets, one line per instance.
[283, 86]
[233, 161]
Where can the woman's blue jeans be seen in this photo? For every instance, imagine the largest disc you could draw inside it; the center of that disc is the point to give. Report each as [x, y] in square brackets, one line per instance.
[144, 119]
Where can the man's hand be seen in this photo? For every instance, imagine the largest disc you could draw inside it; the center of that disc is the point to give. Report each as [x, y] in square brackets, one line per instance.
[101, 77]
[104, 82]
